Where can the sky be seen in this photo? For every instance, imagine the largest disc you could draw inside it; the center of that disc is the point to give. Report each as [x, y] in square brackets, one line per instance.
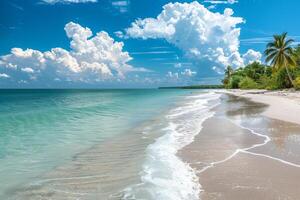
[135, 43]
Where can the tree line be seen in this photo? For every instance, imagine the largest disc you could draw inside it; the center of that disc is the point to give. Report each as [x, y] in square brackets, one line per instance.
[282, 68]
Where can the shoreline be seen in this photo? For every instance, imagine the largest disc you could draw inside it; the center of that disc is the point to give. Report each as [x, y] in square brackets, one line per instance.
[248, 155]
[282, 105]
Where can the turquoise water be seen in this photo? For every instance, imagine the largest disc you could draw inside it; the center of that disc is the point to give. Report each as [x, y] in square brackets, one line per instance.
[42, 129]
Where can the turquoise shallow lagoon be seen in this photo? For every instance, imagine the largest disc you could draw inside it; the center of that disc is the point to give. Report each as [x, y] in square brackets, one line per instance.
[43, 129]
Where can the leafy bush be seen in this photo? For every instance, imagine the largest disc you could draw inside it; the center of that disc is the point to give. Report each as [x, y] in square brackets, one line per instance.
[263, 82]
[254, 74]
[271, 83]
[248, 83]
[297, 83]
[260, 76]
[234, 82]
[255, 70]
[281, 79]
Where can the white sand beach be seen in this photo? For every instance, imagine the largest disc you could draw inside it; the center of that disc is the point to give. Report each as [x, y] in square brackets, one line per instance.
[282, 105]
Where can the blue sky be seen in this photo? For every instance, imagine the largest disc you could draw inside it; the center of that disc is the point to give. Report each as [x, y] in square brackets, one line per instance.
[47, 43]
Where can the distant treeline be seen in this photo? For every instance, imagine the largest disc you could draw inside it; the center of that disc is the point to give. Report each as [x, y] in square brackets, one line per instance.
[195, 87]
[282, 68]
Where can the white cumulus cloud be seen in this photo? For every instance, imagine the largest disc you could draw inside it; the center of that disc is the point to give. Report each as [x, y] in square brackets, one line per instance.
[173, 75]
[188, 72]
[90, 59]
[208, 38]
[27, 70]
[252, 56]
[181, 75]
[3, 75]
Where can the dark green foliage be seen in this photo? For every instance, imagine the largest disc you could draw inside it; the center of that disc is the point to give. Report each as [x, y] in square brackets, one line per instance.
[228, 73]
[296, 55]
[284, 71]
[254, 71]
[247, 83]
[258, 76]
[282, 79]
[250, 77]
[297, 83]
[266, 82]
[234, 82]
[280, 54]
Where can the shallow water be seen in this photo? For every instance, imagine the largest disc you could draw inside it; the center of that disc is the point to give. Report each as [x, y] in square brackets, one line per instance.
[66, 144]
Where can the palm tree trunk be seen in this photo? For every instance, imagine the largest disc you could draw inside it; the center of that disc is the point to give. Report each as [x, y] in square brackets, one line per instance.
[289, 75]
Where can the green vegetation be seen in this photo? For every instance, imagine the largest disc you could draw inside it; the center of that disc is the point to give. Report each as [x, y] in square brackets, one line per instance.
[281, 71]
[248, 83]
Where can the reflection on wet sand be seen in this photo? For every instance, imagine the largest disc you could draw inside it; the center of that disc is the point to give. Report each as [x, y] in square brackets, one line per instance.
[239, 106]
[240, 154]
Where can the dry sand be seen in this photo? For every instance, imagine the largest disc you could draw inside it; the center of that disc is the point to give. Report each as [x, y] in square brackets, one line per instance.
[283, 105]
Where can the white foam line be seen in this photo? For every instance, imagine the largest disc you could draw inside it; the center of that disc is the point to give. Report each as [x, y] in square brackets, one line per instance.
[218, 162]
[163, 152]
[273, 158]
[246, 150]
[268, 139]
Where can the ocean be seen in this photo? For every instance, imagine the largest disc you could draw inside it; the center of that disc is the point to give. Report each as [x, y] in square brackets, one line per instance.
[100, 144]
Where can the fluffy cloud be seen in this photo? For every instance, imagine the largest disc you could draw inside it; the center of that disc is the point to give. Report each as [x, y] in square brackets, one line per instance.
[251, 56]
[90, 59]
[68, 1]
[172, 75]
[4, 75]
[188, 72]
[207, 38]
[121, 5]
[183, 74]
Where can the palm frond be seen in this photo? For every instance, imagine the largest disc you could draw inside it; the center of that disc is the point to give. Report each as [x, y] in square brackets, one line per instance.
[290, 61]
[270, 51]
[271, 57]
[288, 42]
[279, 52]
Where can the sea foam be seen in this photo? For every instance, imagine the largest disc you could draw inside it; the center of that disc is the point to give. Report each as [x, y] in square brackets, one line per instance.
[165, 176]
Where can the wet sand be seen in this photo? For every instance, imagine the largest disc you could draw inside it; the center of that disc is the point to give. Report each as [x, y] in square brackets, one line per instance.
[241, 154]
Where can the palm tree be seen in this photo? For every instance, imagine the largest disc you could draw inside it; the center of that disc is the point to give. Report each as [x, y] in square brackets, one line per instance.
[297, 55]
[279, 54]
[228, 73]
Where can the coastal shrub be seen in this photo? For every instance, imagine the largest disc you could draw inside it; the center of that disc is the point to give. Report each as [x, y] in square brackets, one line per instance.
[264, 81]
[268, 71]
[282, 80]
[271, 83]
[297, 55]
[297, 83]
[255, 70]
[234, 82]
[248, 83]
[281, 54]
